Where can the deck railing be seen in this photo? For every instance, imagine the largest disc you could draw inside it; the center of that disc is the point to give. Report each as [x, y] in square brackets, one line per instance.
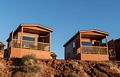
[31, 45]
[94, 50]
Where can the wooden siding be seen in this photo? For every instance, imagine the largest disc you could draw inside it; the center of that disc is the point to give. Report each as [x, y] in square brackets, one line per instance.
[19, 53]
[70, 52]
[111, 49]
[114, 49]
[94, 57]
[87, 53]
[117, 49]
[1, 50]
[17, 47]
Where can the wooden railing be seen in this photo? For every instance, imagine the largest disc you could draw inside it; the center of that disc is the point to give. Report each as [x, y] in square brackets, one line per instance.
[93, 50]
[31, 45]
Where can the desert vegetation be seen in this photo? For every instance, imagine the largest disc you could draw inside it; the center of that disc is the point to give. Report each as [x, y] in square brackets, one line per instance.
[29, 66]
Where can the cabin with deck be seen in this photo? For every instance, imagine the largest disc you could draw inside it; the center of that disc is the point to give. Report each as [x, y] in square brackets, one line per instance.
[1, 50]
[114, 49]
[89, 45]
[30, 39]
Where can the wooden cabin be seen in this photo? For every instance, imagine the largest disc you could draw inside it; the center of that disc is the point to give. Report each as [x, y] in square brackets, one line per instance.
[1, 50]
[89, 45]
[114, 49]
[30, 39]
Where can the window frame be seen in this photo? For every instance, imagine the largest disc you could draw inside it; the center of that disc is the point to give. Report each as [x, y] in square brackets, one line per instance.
[29, 37]
[86, 44]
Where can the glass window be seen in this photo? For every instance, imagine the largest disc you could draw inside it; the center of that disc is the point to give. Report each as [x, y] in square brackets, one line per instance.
[46, 40]
[74, 47]
[28, 42]
[86, 43]
[73, 44]
[29, 38]
[96, 43]
[15, 36]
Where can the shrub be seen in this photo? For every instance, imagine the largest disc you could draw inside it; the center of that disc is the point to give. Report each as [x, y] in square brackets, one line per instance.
[109, 64]
[30, 64]
[53, 55]
[31, 69]
[72, 75]
[29, 59]
[74, 64]
[2, 67]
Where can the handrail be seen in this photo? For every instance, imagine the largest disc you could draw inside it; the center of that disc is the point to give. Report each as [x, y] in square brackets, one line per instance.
[93, 50]
[31, 45]
[96, 46]
[29, 41]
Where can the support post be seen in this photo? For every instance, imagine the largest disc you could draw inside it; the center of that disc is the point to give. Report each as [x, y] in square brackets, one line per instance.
[12, 39]
[80, 43]
[21, 35]
[50, 41]
[12, 35]
[107, 44]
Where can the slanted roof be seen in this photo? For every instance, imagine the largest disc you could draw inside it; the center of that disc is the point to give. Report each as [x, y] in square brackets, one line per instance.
[95, 30]
[34, 25]
[30, 25]
[38, 25]
[88, 32]
[93, 34]
[71, 38]
[116, 40]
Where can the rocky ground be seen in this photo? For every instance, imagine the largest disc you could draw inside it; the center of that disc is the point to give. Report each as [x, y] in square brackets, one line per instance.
[61, 68]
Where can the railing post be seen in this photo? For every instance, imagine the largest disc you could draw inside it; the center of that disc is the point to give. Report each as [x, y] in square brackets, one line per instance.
[107, 44]
[80, 44]
[11, 39]
[50, 41]
[21, 35]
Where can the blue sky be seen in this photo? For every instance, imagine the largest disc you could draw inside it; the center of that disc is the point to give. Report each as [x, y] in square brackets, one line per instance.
[65, 17]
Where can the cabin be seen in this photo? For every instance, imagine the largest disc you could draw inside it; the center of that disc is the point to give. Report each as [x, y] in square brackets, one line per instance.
[1, 50]
[89, 45]
[30, 39]
[114, 49]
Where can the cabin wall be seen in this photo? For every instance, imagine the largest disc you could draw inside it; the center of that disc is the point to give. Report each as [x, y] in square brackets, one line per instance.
[19, 53]
[28, 34]
[94, 57]
[90, 40]
[1, 51]
[111, 50]
[71, 51]
[114, 49]
[85, 39]
[37, 28]
[117, 49]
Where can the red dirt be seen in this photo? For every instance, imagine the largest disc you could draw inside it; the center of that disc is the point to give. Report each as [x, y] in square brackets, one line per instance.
[62, 68]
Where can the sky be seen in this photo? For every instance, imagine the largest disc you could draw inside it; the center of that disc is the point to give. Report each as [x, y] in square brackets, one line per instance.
[65, 17]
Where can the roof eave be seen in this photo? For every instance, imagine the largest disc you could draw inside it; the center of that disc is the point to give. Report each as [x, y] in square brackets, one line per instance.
[105, 33]
[71, 39]
[38, 25]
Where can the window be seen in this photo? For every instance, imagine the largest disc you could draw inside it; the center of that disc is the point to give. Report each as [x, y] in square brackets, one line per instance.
[96, 43]
[45, 39]
[74, 47]
[29, 38]
[28, 42]
[73, 44]
[86, 43]
[15, 36]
